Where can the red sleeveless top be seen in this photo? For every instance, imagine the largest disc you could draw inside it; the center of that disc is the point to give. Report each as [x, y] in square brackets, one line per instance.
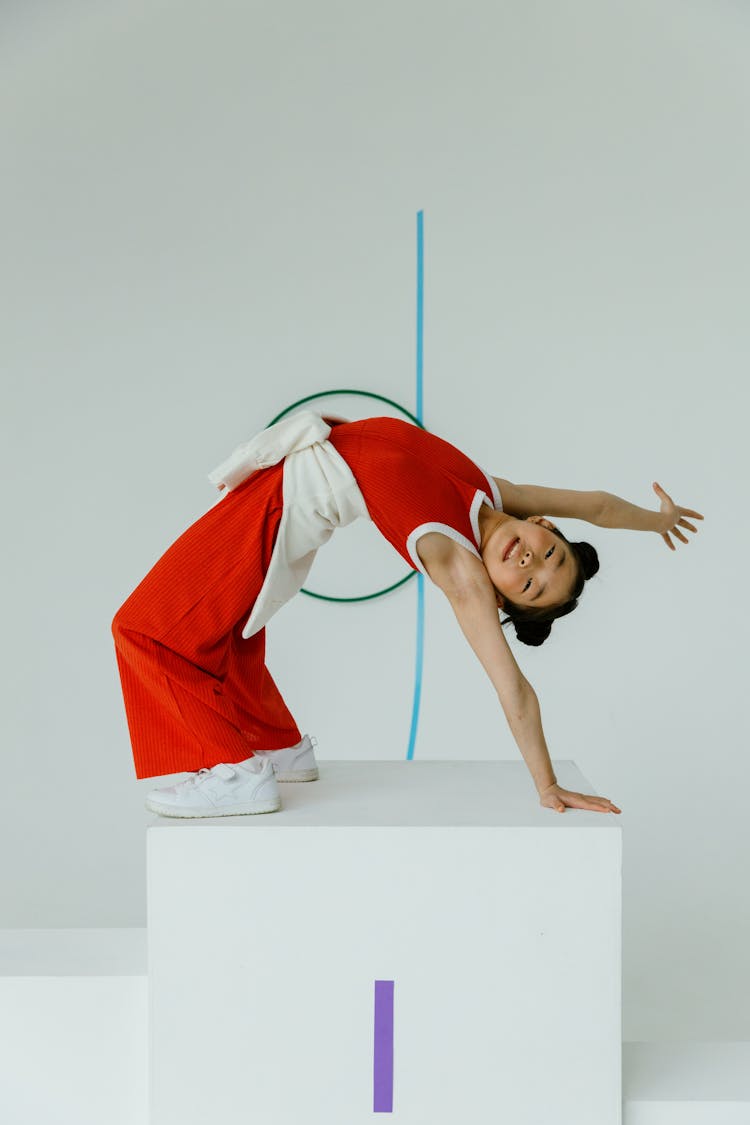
[414, 482]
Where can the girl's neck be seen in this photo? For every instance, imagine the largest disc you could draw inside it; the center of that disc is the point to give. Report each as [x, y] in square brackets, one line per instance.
[489, 520]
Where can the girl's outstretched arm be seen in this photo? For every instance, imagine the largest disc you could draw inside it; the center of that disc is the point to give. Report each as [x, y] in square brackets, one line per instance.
[603, 509]
[466, 584]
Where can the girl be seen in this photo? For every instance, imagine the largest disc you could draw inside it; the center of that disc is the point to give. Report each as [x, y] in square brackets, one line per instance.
[190, 640]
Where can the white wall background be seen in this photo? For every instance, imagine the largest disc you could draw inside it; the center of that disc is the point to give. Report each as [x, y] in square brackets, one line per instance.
[209, 211]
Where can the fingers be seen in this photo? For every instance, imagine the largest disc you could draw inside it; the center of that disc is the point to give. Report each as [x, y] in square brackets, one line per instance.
[588, 804]
[683, 511]
[601, 804]
[676, 532]
[605, 806]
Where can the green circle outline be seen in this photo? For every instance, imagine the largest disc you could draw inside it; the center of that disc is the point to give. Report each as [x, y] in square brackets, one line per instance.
[403, 410]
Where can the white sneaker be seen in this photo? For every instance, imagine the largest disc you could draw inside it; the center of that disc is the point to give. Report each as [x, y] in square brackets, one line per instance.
[223, 790]
[294, 763]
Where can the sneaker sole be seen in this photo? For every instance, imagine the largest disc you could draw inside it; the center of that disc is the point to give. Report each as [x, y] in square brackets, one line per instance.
[298, 775]
[238, 810]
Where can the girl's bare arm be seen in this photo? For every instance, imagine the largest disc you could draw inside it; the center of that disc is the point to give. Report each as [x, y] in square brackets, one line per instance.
[522, 500]
[603, 509]
[466, 584]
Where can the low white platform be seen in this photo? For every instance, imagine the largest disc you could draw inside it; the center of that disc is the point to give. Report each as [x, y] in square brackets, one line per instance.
[686, 1083]
[498, 922]
[73, 1027]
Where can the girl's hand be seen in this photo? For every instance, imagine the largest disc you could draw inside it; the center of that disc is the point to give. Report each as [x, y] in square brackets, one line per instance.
[673, 517]
[559, 799]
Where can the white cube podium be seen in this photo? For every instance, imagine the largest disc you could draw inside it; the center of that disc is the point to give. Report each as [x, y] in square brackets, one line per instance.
[414, 941]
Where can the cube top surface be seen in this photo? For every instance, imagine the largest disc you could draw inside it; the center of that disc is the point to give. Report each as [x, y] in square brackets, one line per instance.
[416, 794]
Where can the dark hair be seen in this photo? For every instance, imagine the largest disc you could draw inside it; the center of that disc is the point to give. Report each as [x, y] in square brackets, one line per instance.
[533, 626]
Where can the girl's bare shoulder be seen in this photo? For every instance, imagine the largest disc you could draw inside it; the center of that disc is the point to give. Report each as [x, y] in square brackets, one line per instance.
[444, 559]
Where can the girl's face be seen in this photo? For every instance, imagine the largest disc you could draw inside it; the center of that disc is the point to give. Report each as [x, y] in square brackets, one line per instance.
[529, 564]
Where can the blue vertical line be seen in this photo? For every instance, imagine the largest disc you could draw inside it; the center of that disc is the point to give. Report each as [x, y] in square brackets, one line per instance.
[420, 415]
[418, 669]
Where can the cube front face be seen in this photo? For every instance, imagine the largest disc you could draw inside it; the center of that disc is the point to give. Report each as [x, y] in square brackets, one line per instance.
[503, 946]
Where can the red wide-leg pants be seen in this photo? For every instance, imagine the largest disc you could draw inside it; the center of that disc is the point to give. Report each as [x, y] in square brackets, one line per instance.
[197, 693]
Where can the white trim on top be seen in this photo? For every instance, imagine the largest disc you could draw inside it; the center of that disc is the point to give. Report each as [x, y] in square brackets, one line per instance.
[418, 532]
[494, 490]
[480, 498]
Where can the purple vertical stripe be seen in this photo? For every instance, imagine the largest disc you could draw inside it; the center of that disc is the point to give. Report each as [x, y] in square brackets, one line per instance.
[382, 1078]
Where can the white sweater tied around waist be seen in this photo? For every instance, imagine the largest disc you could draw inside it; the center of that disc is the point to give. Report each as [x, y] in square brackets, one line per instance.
[320, 494]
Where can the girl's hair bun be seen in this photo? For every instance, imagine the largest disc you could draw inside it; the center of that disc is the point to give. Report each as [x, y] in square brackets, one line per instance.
[533, 632]
[588, 557]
